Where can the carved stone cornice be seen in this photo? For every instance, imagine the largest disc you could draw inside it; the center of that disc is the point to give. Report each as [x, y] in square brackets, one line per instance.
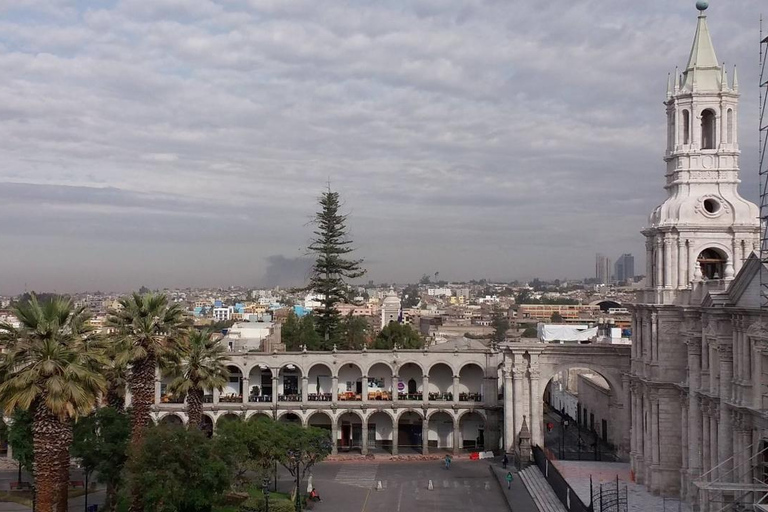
[758, 331]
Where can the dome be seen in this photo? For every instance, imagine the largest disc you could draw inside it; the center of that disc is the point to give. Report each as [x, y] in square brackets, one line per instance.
[392, 298]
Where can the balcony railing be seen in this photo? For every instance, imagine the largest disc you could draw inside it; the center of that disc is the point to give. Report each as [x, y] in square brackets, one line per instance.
[470, 397]
[350, 396]
[230, 399]
[410, 396]
[379, 395]
[320, 397]
[295, 397]
[260, 398]
[438, 397]
[171, 399]
[207, 399]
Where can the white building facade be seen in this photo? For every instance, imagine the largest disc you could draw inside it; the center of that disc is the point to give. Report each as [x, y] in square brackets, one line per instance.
[695, 383]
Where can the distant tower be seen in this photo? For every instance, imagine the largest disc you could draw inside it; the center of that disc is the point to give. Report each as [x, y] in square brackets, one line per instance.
[603, 269]
[390, 308]
[704, 229]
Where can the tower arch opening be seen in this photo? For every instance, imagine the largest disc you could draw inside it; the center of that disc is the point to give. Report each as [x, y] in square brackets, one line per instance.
[686, 127]
[708, 129]
[712, 263]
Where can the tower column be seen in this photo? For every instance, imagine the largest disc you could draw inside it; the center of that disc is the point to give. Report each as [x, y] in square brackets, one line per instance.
[682, 264]
[509, 416]
[659, 274]
[649, 262]
[518, 373]
[668, 268]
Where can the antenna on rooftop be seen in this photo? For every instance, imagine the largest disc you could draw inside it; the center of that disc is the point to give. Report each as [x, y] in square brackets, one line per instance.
[762, 149]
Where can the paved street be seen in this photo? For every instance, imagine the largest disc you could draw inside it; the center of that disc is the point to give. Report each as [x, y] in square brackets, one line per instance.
[351, 486]
[572, 449]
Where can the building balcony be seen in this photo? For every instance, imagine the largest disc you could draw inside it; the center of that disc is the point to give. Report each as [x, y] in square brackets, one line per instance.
[379, 395]
[171, 399]
[294, 397]
[207, 399]
[410, 396]
[441, 397]
[260, 398]
[320, 397]
[470, 397]
[231, 399]
[350, 396]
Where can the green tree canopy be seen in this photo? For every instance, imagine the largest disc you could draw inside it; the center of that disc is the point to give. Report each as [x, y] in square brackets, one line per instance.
[101, 444]
[332, 269]
[178, 470]
[500, 324]
[20, 439]
[410, 297]
[556, 318]
[395, 334]
[250, 448]
[297, 332]
[355, 333]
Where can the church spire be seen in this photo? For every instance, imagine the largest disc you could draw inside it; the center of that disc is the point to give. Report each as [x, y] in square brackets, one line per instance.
[703, 69]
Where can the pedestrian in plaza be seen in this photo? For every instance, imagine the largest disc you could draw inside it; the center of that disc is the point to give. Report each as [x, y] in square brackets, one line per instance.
[509, 479]
[505, 461]
[447, 462]
[550, 426]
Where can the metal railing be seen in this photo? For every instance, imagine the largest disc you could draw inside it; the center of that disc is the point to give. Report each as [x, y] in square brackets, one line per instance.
[564, 492]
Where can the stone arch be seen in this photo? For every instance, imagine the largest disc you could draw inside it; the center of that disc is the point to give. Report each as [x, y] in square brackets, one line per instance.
[473, 425]
[411, 375]
[446, 363]
[314, 414]
[328, 366]
[350, 431]
[441, 426]
[413, 362]
[171, 418]
[228, 416]
[708, 128]
[289, 416]
[320, 382]
[614, 417]
[382, 424]
[410, 423]
[441, 380]
[207, 424]
[712, 262]
[257, 415]
[380, 361]
[232, 391]
[381, 382]
[290, 378]
[260, 382]
[350, 377]
[471, 382]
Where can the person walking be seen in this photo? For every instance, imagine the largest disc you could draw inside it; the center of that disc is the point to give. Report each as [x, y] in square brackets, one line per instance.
[504, 461]
[447, 462]
[509, 479]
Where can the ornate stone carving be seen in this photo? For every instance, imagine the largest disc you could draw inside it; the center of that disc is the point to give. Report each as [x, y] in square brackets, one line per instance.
[758, 331]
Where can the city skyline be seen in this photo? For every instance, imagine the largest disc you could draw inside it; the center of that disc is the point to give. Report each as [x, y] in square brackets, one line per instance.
[447, 129]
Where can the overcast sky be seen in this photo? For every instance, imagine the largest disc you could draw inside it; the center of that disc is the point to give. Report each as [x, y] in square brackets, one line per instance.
[184, 142]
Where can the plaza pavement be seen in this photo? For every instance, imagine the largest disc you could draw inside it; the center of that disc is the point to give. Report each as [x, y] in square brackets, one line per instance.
[468, 486]
[577, 474]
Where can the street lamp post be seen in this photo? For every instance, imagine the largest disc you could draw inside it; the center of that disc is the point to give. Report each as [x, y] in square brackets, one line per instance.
[266, 493]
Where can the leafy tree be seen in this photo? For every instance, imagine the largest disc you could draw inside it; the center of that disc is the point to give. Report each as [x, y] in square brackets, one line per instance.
[425, 279]
[500, 324]
[355, 333]
[148, 327]
[177, 470]
[101, 444]
[21, 442]
[410, 297]
[297, 332]
[395, 334]
[556, 318]
[201, 364]
[331, 270]
[530, 332]
[249, 448]
[48, 368]
[300, 448]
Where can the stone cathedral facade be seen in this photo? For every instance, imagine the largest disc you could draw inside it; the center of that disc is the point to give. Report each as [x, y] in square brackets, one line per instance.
[699, 370]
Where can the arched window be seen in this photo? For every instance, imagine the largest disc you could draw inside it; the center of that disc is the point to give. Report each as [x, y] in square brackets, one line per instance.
[729, 122]
[708, 129]
[686, 127]
[712, 263]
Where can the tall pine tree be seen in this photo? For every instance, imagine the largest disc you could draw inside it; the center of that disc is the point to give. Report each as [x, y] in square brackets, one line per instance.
[331, 269]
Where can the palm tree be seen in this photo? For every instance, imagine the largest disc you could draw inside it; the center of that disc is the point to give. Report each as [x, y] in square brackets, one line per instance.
[202, 365]
[46, 370]
[116, 373]
[147, 328]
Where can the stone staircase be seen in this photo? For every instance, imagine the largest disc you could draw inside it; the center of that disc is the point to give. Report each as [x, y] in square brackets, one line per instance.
[540, 490]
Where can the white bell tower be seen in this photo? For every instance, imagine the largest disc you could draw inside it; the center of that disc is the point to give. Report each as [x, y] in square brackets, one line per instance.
[704, 230]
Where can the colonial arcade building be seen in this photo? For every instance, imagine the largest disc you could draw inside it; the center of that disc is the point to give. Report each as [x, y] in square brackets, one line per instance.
[698, 373]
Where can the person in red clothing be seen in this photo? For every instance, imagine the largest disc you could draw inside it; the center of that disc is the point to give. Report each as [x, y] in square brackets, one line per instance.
[313, 496]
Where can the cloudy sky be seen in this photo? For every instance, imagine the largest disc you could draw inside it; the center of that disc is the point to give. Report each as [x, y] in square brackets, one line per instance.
[184, 142]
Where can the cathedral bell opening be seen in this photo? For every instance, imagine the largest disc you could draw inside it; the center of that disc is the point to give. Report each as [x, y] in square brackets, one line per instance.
[712, 263]
[708, 129]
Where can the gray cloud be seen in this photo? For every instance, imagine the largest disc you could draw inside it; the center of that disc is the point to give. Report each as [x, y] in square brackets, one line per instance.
[184, 143]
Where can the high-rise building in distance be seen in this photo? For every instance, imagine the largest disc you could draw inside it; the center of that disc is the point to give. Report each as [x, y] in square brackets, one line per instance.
[625, 268]
[603, 269]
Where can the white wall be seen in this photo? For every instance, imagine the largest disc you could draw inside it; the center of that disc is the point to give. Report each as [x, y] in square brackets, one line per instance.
[440, 379]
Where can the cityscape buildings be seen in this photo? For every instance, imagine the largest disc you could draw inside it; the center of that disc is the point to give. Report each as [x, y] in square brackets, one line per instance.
[603, 269]
[624, 270]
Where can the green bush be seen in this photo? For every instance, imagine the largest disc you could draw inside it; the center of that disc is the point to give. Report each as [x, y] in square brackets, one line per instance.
[257, 503]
